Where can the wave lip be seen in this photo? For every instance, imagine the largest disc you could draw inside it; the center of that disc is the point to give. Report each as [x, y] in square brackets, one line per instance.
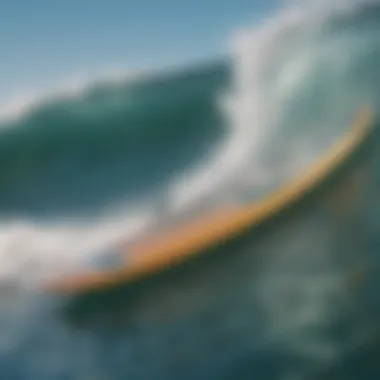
[76, 86]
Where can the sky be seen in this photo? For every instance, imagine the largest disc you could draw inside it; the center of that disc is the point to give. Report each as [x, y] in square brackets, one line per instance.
[42, 42]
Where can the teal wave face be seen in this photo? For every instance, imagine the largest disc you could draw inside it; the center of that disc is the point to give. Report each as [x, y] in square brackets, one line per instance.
[113, 142]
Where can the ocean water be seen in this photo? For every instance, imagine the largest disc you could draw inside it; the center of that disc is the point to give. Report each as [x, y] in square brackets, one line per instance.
[84, 169]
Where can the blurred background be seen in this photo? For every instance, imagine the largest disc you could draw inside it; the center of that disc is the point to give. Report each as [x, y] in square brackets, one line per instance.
[117, 117]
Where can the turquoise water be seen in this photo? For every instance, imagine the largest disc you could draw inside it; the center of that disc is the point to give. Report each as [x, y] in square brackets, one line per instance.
[81, 171]
[111, 143]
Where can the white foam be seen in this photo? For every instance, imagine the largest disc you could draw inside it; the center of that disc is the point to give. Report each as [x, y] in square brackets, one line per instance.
[277, 66]
[253, 106]
[31, 253]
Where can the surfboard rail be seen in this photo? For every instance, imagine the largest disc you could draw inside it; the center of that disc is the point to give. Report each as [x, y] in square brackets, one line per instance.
[190, 239]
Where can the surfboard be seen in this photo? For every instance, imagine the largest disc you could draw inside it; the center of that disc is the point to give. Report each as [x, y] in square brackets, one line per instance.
[171, 248]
